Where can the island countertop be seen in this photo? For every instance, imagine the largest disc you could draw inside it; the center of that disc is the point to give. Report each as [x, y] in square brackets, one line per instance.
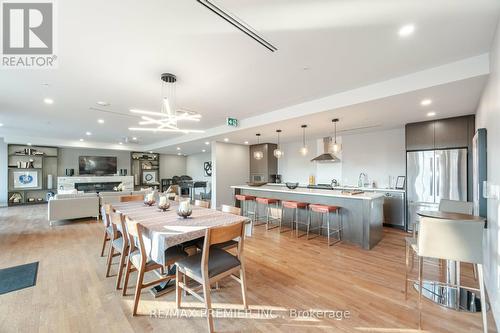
[362, 214]
[310, 191]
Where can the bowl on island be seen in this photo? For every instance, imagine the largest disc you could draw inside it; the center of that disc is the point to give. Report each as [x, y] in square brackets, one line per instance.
[292, 186]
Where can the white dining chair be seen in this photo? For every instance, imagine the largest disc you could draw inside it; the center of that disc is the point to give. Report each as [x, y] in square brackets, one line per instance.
[108, 230]
[456, 206]
[460, 241]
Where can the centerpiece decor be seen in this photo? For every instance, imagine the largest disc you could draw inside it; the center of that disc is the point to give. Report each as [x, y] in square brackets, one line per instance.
[149, 199]
[163, 203]
[184, 209]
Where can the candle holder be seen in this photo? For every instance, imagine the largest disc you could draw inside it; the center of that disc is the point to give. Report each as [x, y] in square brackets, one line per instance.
[149, 202]
[163, 205]
[184, 210]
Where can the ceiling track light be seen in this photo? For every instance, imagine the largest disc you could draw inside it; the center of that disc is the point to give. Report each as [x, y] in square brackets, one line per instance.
[238, 24]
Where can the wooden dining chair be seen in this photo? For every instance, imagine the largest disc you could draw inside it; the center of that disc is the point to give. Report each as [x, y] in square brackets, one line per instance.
[202, 203]
[119, 244]
[129, 198]
[107, 228]
[211, 265]
[231, 209]
[229, 244]
[139, 261]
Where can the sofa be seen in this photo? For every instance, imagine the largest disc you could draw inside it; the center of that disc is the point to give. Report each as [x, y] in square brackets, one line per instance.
[73, 206]
[69, 205]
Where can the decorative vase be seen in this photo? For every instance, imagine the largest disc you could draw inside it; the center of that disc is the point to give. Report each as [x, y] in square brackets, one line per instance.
[163, 203]
[184, 209]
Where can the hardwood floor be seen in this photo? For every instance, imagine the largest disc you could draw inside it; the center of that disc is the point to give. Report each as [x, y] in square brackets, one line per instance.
[283, 273]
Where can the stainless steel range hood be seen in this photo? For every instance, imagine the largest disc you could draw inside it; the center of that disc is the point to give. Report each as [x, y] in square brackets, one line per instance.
[328, 156]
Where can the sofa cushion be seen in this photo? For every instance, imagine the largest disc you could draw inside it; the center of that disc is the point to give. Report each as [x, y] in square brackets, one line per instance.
[74, 196]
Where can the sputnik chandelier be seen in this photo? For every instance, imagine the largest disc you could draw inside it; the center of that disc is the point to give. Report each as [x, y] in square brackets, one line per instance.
[167, 119]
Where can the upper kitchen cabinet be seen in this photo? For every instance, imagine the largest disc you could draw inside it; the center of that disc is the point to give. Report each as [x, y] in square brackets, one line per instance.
[440, 134]
[451, 133]
[420, 136]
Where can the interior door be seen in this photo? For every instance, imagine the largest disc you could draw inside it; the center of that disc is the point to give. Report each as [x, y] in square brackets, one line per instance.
[451, 174]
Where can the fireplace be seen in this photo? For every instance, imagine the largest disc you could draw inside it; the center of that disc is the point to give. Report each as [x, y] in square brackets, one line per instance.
[96, 186]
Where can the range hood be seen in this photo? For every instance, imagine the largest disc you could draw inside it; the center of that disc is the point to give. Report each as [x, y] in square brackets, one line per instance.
[328, 155]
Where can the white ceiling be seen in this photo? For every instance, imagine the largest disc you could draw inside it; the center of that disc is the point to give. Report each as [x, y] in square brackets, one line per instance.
[115, 51]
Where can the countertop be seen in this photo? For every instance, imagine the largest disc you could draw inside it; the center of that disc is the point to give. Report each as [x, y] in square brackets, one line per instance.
[375, 189]
[310, 191]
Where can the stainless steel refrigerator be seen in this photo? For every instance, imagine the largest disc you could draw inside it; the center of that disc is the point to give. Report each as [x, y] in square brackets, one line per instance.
[434, 175]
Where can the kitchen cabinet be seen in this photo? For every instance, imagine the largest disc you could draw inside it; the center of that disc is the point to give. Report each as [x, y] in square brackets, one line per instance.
[451, 133]
[394, 209]
[445, 133]
[420, 136]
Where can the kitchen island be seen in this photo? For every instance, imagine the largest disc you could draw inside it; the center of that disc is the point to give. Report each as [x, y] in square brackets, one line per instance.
[362, 214]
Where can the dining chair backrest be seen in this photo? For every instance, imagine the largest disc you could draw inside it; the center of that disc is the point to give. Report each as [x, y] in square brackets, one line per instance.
[451, 240]
[202, 203]
[456, 206]
[218, 235]
[129, 198]
[231, 209]
[105, 209]
[135, 230]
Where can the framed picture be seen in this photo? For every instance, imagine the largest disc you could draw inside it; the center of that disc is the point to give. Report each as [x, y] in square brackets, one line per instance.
[25, 179]
[207, 169]
[400, 183]
[150, 177]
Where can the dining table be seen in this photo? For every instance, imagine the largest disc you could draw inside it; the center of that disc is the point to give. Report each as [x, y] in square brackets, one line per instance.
[463, 299]
[163, 229]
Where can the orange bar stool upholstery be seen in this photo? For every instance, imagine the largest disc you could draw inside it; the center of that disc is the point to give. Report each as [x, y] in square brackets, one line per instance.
[245, 203]
[267, 202]
[325, 211]
[295, 217]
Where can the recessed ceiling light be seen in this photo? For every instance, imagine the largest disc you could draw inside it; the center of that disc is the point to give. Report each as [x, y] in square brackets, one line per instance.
[150, 151]
[203, 150]
[246, 142]
[81, 140]
[406, 30]
[88, 133]
[120, 143]
[178, 148]
[1, 124]
[48, 101]
[207, 143]
[101, 103]
[100, 121]
[431, 114]
[134, 138]
[426, 102]
[226, 139]
[179, 154]
[29, 143]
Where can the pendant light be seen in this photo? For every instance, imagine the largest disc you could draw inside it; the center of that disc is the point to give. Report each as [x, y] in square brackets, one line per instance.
[304, 150]
[278, 153]
[258, 154]
[337, 147]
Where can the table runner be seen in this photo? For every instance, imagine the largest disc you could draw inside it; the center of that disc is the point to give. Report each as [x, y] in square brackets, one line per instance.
[165, 229]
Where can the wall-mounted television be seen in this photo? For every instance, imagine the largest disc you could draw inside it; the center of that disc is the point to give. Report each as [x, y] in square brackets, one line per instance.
[97, 165]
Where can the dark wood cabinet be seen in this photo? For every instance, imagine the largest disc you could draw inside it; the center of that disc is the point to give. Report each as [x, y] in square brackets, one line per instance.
[451, 133]
[440, 134]
[420, 136]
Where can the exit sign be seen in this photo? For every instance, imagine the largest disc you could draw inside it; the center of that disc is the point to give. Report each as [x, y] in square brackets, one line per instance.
[232, 122]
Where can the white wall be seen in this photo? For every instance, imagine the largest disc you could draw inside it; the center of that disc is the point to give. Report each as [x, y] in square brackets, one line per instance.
[172, 165]
[194, 166]
[488, 116]
[3, 172]
[378, 154]
[230, 166]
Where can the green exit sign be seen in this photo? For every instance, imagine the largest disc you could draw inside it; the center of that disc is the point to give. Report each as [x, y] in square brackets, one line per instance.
[232, 122]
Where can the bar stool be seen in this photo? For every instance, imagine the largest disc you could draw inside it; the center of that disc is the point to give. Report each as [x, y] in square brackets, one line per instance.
[245, 210]
[325, 211]
[267, 202]
[295, 217]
